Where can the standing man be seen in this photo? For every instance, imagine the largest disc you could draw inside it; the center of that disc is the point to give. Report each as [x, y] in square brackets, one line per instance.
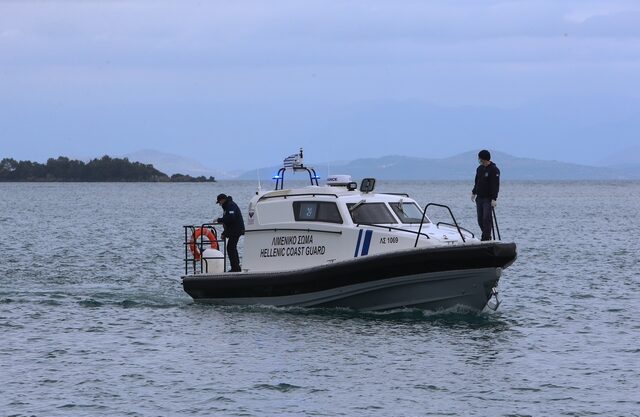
[233, 228]
[485, 192]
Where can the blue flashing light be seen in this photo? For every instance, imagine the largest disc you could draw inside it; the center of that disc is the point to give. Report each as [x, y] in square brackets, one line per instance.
[316, 177]
[276, 177]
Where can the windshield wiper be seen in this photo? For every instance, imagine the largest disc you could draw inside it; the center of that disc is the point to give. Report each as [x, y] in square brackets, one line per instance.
[355, 206]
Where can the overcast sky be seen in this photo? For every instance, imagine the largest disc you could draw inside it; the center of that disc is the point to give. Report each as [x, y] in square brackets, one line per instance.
[239, 84]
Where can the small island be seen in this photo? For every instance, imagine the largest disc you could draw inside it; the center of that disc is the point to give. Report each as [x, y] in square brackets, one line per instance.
[105, 169]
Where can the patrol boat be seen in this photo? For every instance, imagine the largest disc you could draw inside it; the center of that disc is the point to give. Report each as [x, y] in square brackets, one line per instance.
[344, 245]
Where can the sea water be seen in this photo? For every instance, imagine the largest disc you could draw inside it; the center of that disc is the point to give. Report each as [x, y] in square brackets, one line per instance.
[93, 319]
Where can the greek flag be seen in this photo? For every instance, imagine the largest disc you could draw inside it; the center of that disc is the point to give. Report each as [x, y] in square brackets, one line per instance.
[293, 161]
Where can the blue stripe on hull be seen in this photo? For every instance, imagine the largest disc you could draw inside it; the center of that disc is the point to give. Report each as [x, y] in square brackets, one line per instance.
[355, 255]
[367, 242]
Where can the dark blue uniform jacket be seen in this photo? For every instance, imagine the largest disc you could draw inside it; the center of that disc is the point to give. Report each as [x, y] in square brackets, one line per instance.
[487, 181]
[231, 219]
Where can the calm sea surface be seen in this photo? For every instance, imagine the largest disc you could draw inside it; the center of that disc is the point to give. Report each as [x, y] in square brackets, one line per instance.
[94, 322]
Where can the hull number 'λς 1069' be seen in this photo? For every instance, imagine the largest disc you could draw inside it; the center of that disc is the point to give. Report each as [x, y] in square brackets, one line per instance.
[390, 239]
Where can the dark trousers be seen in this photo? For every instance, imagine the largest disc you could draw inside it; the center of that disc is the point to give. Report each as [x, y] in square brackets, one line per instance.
[232, 251]
[485, 217]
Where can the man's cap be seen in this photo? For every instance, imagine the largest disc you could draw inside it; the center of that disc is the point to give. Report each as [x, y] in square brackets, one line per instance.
[221, 197]
[484, 155]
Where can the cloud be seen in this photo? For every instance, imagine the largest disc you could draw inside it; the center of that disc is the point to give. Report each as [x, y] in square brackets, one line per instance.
[619, 25]
[145, 33]
[118, 70]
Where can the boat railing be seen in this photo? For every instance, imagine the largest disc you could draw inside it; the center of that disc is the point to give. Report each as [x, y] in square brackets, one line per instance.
[287, 229]
[199, 266]
[390, 228]
[453, 225]
[284, 196]
[495, 221]
[424, 215]
[279, 177]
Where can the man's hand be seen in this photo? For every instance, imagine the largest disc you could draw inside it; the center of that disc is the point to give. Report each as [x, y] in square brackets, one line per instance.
[473, 198]
[494, 203]
[219, 220]
[222, 236]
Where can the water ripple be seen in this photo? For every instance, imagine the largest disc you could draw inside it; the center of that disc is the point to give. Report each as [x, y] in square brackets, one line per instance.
[94, 320]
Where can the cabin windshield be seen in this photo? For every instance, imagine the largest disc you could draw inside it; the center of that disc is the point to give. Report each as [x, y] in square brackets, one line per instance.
[370, 213]
[408, 212]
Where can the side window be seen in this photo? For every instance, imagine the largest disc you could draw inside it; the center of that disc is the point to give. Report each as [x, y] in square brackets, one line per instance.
[370, 213]
[316, 211]
[328, 212]
[306, 211]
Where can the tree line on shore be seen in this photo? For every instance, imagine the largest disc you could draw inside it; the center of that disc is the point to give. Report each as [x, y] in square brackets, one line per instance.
[104, 169]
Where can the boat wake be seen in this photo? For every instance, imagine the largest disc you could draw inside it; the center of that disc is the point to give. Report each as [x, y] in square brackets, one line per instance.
[456, 315]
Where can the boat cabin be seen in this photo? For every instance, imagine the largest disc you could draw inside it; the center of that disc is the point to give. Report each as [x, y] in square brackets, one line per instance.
[322, 224]
[315, 225]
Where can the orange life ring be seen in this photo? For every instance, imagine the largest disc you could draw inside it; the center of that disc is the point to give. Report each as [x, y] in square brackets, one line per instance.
[209, 234]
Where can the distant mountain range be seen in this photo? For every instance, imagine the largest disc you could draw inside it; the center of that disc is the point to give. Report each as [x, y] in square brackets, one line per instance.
[462, 167]
[176, 164]
[398, 167]
[592, 130]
